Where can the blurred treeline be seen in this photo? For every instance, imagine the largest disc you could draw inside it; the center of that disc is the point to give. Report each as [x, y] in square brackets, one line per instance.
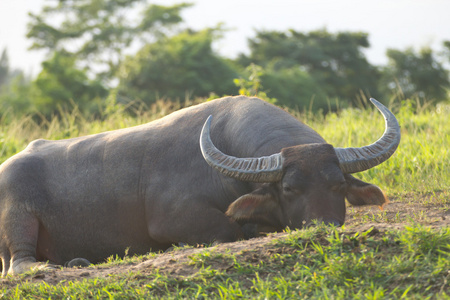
[104, 52]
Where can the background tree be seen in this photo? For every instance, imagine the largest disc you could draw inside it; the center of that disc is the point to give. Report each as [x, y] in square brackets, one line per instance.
[87, 43]
[287, 86]
[14, 88]
[334, 61]
[446, 52]
[417, 74]
[176, 67]
[99, 32]
[295, 88]
[61, 84]
[16, 97]
[6, 73]
[4, 67]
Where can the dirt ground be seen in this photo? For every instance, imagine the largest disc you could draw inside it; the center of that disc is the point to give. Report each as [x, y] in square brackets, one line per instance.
[428, 210]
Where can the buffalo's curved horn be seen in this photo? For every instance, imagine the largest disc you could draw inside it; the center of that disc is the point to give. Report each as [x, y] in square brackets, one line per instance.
[354, 160]
[258, 169]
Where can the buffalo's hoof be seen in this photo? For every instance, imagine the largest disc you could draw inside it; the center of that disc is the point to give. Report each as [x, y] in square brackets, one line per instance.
[27, 266]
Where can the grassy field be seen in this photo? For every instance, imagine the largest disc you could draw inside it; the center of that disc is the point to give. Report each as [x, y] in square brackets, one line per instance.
[401, 252]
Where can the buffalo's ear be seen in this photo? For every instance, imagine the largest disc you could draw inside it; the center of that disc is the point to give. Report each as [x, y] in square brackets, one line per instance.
[260, 206]
[362, 193]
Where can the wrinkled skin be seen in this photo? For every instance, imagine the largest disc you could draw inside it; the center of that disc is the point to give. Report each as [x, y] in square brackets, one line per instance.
[148, 187]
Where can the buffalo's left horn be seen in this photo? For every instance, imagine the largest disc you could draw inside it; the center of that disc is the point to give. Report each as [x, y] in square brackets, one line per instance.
[258, 169]
[353, 160]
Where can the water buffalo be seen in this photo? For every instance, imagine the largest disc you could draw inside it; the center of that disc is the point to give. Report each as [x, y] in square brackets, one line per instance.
[150, 186]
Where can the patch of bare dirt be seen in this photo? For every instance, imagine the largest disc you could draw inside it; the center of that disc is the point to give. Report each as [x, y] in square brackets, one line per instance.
[176, 262]
[428, 210]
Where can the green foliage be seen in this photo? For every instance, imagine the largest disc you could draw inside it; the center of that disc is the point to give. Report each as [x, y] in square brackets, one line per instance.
[90, 40]
[301, 70]
[335, 62]
[7, 74]
[175, 68]
[14, 88]
[295, 88]
[157, 18]
[416, 74]
[288, 87]
[98, 32]
[252, 86]
[16, 97]
[4, 67]
[61, 82]
[446, 45]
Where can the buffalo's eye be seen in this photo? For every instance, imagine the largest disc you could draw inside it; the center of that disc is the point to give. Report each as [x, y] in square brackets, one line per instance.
[287, 189]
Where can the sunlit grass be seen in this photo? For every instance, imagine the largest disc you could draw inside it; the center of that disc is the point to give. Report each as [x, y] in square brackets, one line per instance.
[421, 162]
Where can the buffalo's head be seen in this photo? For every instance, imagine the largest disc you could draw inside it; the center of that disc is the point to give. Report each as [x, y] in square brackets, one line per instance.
[305, 182]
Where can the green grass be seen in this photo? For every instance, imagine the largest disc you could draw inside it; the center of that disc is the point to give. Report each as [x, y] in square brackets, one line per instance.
[315, 263]
[422, 161]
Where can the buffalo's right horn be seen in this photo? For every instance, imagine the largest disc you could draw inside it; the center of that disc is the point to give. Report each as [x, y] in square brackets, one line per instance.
[258, 169]
[354, 160]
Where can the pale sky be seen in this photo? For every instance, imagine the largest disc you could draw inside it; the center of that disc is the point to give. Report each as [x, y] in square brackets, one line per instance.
[390, 23]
